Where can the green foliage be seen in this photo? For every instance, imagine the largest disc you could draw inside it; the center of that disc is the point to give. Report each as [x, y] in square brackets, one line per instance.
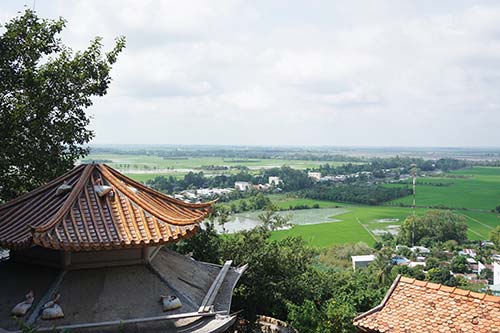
[486, 274]
[44, 91]
[332, 316]
[348, 293]
[204, 245]
[432, 262]
[414, 272]
[275, 267]
[441, 275]
[381, 266]
[495, 236]
[340, 255]
[434, 226]
[272, 220]
[459, 265]
[364, 194]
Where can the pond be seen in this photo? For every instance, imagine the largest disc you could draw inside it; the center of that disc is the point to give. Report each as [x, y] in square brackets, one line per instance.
[249, 220]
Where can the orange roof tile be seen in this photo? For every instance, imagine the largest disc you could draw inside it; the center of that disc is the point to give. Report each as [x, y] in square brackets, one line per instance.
[416, 306]
[101, 209]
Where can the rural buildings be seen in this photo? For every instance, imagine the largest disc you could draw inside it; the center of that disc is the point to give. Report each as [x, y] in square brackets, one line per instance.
[242, 186]
[274, 181]
[314, 175]
[418, 306]
[362, 261]
[86, 250]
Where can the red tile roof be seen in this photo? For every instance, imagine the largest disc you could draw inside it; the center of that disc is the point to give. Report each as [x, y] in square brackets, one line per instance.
[417, 306]
[126, 214]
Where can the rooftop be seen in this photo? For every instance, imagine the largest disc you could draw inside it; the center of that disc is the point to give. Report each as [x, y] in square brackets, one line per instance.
[368, 257]
[418, 306]
[94, 207]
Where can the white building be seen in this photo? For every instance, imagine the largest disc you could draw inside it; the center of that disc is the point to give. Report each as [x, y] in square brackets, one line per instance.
[314, 175]
[242, 186]
[420, 249]
[274, 181]
[362, 261]
[496, 274]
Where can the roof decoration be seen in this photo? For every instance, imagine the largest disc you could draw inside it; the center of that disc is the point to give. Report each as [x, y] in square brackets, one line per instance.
[94, 207]
[418, 306]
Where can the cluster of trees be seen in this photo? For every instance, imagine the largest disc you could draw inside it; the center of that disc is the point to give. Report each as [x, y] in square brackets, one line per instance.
[286, 280]
[257, 202]
[403, 164]
[436, 226]
[358, 193]
[292, 180]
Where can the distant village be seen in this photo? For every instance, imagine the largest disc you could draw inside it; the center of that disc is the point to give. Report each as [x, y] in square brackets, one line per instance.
[273, 184]
[485, 276]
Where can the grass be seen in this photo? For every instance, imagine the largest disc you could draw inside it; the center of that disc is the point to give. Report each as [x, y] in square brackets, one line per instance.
[480, 189]
[284, 202]
[327, 234]
[363, 223]
[360, 223]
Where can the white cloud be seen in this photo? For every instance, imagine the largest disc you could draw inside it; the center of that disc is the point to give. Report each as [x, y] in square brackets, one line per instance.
[350, 73]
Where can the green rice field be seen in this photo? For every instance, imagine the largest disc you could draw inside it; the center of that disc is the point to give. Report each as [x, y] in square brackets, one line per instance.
[359, 223]
[367, 223]
[479, 188]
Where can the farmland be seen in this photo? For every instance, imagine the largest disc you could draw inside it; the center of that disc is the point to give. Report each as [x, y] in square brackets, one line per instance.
[144, 167]
[471, 192]
[367, 223]
[475, 188]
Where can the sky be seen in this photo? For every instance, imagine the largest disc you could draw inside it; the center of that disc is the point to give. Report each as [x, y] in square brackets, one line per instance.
[338, 73]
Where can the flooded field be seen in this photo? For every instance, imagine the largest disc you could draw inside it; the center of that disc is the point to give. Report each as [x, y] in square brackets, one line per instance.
[249, 220]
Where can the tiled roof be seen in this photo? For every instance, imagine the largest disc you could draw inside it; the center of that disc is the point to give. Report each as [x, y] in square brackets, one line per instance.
[417, 306]
[95, 207]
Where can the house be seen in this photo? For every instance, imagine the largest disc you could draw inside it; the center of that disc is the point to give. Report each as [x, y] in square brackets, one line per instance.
[496, 274]
[413, 264]
[362, 261]
[274, 181]
[411, 305]
[467, 252]
[314, 175]
[420, 250]
[242, 186]
[86, 250]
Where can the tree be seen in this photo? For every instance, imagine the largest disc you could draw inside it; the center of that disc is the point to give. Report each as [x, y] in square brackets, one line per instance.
[203, 246]
[459, 264]
[271, 219]
[441, 275]
[434, 226]
[44, 90]
[495, 236]
[275, 268]
[381, 266]
[487, 274]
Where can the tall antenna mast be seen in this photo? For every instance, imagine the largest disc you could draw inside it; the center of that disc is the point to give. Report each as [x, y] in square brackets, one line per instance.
[414, 176]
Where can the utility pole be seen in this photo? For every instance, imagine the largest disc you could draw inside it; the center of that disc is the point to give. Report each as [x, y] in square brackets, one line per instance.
[414, 176]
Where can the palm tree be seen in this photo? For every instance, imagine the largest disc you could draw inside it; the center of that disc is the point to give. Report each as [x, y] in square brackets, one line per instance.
[382, 266]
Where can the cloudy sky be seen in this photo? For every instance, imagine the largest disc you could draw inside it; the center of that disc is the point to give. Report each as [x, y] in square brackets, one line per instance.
[370, 73]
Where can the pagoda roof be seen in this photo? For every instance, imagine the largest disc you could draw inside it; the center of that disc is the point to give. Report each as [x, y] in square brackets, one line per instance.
[420, 306]
[94, 207]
